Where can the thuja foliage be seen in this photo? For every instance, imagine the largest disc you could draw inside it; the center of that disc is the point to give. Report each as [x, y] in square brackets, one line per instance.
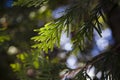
[80, 20]
[49, 35]
[85, 22]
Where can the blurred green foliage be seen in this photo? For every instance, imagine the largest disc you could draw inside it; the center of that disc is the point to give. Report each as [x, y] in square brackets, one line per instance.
[34, 66]
[19, 24]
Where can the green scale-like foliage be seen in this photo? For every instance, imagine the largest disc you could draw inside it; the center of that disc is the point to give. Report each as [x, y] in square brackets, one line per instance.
[80, 20]
[48, 36]
[71, 22]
